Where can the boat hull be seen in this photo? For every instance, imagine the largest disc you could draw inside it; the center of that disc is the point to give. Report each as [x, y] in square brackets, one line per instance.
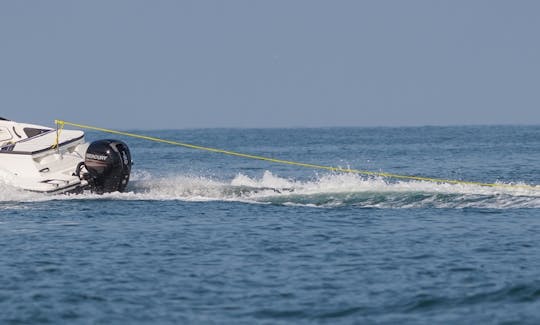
[54, 161]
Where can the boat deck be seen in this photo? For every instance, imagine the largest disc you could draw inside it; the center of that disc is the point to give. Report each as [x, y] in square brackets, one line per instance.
[42, 142]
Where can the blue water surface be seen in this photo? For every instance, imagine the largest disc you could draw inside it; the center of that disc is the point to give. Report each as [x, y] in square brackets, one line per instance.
[207, 238]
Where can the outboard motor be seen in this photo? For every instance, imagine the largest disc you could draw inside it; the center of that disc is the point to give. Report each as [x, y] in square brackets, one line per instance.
[108, 163]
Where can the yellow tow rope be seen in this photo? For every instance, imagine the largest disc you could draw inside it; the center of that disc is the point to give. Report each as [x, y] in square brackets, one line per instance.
[61, 124]
[59, 128]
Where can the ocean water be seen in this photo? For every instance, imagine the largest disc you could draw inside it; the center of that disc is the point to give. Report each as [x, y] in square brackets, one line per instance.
[205, 238]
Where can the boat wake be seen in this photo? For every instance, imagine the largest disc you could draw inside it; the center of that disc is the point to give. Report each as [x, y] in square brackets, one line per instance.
[327, 191]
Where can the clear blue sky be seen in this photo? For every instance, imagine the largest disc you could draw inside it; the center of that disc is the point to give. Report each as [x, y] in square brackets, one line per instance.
[275, 63]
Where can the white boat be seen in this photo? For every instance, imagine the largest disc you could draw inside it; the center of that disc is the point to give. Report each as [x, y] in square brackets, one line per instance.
[42, 159]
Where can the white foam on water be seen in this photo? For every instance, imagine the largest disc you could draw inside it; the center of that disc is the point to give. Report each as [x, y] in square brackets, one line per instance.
[9, 193]
[328, 190]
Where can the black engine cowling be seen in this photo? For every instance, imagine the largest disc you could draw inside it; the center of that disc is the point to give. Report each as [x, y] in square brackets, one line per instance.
[108, 163]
